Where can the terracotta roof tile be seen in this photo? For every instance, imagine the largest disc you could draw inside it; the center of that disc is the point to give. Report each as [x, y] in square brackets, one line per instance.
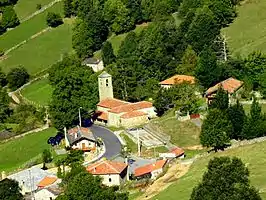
[131, 107]
[111, 103]
[133, 114]
[102, 115]
[46, 181]
[177, 79]
[106, 167]
[230, 85]
[149, 168]
[177, 151]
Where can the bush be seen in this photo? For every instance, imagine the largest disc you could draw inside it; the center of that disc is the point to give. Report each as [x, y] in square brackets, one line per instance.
[53, 19]
[17, 77]
[38, 6]
[1, 52]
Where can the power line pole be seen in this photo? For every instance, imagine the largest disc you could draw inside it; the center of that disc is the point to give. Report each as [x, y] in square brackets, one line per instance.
[80, 117]
[138, 143]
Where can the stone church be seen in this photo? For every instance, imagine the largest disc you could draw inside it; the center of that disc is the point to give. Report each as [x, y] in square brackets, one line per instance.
[119, 113]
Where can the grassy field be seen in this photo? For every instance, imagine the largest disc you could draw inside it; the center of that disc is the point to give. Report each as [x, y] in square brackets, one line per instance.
[39, 91]
[41, 52]
[252, 155]
[15, 153]
[25, 8]
[248, 33]
[25, 30]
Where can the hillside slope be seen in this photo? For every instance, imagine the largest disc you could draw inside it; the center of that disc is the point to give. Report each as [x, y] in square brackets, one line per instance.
[248, 32]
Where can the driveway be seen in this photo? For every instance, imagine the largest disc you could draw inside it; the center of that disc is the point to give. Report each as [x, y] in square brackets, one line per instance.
[111, 142]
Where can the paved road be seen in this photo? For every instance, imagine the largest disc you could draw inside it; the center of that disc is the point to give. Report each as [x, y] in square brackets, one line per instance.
[112, 143]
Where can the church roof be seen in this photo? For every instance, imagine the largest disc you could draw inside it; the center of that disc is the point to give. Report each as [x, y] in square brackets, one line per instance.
[131, 107]
[111, 103]
[104, 74]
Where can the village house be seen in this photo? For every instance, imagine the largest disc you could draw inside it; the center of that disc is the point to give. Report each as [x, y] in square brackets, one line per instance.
[80, 138]
[151, 170]
[231, 85]
[174, 153]
[118, 113]
[49, 193]
[177, 79]
[113, 173]
[95, 64]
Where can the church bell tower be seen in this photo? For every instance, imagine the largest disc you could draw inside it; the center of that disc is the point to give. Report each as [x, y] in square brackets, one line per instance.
[105, 86]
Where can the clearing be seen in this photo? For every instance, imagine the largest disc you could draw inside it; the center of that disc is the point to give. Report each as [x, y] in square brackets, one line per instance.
[17, 152]
[36, 54]
[39, 92]
[28, 28]
[252, 155]
[248, 33]
[25, 8]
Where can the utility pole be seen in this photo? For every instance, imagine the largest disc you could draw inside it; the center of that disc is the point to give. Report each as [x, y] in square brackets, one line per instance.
[80, 117]
[138, 143]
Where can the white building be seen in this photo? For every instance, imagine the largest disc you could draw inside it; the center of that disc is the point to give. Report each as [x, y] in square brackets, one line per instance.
[95, 64]
[112, 172]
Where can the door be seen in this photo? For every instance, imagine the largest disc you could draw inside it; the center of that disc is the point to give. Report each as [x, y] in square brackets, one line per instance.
[83, 145]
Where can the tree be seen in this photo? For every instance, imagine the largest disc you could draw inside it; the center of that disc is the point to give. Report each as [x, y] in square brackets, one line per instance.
[72, 83]
[46, 157]
[4, 105]
[221, 100]
[68, 8]
[53, 19]
[89, 34]
[3, 80]
[9, 190]
[129, 46]
[108, 53]
[9, 17]
[215, 130]
[118, 16]
[134, 7]
[188, 62]
[17, 77]
[225, 179]
[189, 6]
[207, 71]
[203, 30]
[86, 186]
[237, 116]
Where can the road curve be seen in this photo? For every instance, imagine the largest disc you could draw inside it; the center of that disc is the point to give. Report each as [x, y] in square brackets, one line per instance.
[111, 142]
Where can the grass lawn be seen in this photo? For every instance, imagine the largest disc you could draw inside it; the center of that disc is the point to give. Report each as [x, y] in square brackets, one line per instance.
[41, 52]
[248, 33]
[24, 8]
[39, 91]
[183, 134]
[247, 108]
[28, 28]
[15, 153]
[252, 155]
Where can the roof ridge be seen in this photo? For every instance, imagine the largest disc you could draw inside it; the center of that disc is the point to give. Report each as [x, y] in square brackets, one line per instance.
[113, 167]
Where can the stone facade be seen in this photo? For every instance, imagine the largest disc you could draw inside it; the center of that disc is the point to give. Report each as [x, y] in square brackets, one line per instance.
[105, 86]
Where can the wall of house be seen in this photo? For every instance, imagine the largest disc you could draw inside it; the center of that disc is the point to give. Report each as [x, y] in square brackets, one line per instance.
[114, 119]
[44, 195]
[96, 67]
[133, 122]
[150, 111]
[88, 144]
[166, 86]
[156, 173]
[102, 109]
[111, 179]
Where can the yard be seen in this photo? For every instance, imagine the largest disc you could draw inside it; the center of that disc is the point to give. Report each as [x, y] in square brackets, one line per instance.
[17, 152]
[36, 54]
[28, 28]
[247, 33]
[253, 155]
[24, 8]
[39, 91]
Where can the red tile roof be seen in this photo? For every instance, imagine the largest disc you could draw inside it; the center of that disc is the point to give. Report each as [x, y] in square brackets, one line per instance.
[133, 114]
[150, 168]
[177, 151]
[230, 85]
[46, 181]
[76, 129]
[111, 103]
[177, 79]
[102, 115]
[131, 107]
[106, 167]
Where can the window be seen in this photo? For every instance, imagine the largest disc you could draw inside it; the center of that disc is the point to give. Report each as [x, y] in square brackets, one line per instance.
[110, 180]
[107, 83]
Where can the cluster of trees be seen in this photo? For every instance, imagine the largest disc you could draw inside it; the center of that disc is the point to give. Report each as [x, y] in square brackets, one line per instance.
[74, 86]
[225, 178]
[79, 184]
[225, 122]
[98, 18]
[9, 17]
[9, 189]
[53, 19]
